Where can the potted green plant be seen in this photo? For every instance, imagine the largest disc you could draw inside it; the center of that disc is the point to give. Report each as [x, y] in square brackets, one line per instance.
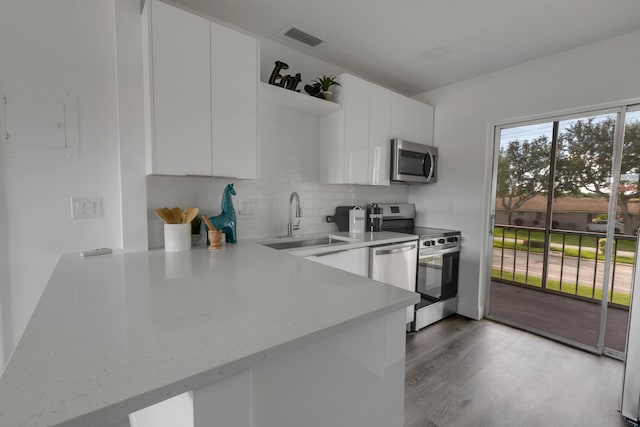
[324, 83]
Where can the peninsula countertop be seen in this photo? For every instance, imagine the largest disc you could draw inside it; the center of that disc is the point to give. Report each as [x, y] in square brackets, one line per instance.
[115, 333]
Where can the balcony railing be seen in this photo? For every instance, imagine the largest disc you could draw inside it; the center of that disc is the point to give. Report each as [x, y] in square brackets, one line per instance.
[575, 262]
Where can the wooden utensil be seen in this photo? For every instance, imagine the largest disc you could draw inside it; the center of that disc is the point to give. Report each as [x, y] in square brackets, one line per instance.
[163, 216]
[190, 214]
[167, 213]
[177, 215]
[206, 221]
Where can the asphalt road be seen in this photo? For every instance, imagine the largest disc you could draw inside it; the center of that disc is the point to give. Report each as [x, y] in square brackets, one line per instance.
[569, 269]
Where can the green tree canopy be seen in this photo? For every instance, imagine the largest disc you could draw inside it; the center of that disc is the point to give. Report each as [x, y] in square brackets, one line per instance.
[585, 162]
[523, 172]
[583, 166]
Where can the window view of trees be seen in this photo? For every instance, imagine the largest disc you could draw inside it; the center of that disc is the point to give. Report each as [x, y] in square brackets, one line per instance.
[523, 172]
[583, 168]
[561, 248]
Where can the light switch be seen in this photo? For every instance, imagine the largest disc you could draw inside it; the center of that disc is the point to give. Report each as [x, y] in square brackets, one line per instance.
[86, 207]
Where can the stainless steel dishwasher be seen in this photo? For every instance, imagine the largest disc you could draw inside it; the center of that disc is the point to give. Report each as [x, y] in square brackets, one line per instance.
[395, 264]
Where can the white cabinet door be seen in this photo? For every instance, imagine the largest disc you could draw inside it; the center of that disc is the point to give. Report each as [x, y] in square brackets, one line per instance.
[352, 260]
[355, 142]
[401, 117]
[180, 128]
[234, 96]
[201, 95]
[356, 128]
[379, 135]
[423, 123]
[411, 119]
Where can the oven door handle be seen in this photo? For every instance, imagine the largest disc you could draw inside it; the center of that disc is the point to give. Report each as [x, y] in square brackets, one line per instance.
[406, 248]
[427, 252]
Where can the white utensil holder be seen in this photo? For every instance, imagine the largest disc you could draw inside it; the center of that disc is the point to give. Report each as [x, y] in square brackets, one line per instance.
[177, 237]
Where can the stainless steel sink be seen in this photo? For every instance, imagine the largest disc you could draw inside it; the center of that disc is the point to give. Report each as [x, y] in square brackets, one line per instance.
[306, 242]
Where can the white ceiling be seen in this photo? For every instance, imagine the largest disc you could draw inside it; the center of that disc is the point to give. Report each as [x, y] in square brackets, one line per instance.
[418, 45]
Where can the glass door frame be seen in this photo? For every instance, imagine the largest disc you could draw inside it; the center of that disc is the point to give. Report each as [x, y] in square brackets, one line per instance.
[618, 143]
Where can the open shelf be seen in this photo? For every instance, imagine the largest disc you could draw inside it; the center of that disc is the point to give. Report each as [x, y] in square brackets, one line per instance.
[296, 101]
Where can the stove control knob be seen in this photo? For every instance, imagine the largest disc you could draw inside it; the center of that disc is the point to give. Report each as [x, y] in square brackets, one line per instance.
[440, 240]
[427, 243]
[452, 239]
[433, 243]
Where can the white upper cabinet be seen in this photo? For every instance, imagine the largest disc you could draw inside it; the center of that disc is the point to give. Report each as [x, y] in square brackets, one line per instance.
[355, 141]
[179, 91]
[355, 101]
[411, 119]
[234, 94]
[380, 135]
[201, 83]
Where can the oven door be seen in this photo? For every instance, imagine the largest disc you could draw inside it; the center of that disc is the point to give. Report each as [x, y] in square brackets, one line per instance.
[438, 273]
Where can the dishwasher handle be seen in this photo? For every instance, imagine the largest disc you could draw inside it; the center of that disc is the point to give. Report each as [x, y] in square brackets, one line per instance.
[395, 250]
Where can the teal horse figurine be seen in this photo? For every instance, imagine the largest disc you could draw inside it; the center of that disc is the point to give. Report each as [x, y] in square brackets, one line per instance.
[226, 221]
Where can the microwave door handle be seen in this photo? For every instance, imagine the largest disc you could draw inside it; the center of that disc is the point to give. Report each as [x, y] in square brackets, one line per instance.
[432, 166]
[424, 167]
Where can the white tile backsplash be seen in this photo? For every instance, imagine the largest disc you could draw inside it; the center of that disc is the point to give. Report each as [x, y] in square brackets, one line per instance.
[288, 162]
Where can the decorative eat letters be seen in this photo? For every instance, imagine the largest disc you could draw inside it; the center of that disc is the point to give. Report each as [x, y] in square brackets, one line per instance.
[288, 81]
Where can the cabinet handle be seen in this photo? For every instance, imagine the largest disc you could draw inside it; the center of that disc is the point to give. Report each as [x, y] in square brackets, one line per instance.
[395, 251]
[331, 253]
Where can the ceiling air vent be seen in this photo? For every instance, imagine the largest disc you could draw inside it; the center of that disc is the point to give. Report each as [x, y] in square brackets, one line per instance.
[300, 36]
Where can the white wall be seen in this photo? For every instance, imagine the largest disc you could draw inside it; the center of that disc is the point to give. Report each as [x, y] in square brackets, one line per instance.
[53, 48]
[128, 30]
[465, 115]
[5, 273]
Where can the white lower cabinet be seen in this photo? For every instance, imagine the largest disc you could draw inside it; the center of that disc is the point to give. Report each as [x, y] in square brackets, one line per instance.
[352, 260]
[354, 378]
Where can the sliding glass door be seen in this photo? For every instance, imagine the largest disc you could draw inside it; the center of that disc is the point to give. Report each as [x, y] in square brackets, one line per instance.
[563, 242]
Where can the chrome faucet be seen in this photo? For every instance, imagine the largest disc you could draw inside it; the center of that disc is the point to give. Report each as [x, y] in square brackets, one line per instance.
[290, 227]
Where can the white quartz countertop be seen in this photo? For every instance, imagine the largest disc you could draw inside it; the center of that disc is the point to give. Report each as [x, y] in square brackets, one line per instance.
[112, 334]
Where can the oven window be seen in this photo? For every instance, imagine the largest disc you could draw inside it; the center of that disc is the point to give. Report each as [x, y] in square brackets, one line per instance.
[430, 276]
[438, 276]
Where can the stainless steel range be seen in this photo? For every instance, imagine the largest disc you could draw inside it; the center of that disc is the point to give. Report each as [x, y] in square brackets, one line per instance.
[438, 263]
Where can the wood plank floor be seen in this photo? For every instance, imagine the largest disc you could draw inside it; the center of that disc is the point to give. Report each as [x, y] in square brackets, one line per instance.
[566, 317]
[462, 372]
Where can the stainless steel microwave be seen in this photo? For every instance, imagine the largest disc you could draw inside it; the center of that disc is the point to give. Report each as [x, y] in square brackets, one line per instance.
[413, 163]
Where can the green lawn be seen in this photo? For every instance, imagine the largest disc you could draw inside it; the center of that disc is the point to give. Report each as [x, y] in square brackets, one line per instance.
[584, 254]
[569, 288]
[534, 242]
[590, 242]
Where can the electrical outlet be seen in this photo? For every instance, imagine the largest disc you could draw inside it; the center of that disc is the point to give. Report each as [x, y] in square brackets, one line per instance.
[86, 207]
[248, 207]
[451, 207]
